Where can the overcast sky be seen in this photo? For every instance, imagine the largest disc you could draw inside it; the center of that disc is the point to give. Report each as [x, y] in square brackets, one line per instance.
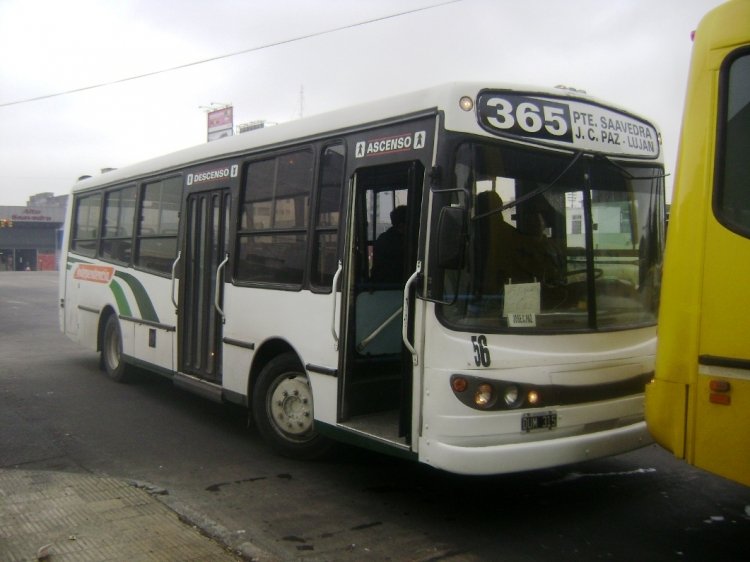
[301, 57]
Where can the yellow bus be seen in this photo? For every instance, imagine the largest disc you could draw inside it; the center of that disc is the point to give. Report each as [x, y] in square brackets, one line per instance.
[698, 405]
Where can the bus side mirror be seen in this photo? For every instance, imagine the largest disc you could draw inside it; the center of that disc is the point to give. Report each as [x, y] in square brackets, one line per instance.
[451, 238]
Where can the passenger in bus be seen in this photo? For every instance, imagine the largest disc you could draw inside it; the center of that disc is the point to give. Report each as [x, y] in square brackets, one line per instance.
[389, 251]
[497, 247]
[544, 259]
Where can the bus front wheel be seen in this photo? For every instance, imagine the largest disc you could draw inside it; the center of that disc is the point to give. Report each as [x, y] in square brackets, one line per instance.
[283, 409]
[111, 358]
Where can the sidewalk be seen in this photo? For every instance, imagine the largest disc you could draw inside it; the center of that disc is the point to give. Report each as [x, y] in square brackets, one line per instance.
[59, 516]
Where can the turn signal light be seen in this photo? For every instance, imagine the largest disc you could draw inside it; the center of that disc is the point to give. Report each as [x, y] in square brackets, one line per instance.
[459, 384]
[722, 399]
[719, 386]
[719, 392]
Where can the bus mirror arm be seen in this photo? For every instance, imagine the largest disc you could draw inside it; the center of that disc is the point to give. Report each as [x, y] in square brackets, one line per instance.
[334, 333]
[217, 289]
[174, 269]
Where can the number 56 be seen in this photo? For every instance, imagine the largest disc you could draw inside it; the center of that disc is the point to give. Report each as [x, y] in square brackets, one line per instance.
[481, 351]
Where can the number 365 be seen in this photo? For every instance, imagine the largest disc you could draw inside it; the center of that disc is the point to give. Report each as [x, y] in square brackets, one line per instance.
[528, 116]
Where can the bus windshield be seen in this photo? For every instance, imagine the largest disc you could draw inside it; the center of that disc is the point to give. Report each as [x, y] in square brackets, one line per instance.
[556, 242]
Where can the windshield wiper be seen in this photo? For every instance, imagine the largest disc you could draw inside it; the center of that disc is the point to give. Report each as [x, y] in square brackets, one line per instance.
[531, 194]
[626, 173]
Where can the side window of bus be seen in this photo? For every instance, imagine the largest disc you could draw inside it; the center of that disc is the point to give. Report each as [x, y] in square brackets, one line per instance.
[86, 224]
[274, 219]
[156, 237]
[327, 218]
[732, 203]
[117, 235]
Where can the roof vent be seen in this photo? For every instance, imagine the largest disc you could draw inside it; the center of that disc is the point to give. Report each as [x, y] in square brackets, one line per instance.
[570, 89]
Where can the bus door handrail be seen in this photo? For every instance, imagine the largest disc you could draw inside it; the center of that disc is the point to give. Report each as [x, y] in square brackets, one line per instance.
[334, 333]
[405, 321]
[174, 268]
[217, 288]
[377, 331]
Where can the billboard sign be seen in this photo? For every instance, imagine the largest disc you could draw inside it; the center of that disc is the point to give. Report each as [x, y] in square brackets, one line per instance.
[220, 123]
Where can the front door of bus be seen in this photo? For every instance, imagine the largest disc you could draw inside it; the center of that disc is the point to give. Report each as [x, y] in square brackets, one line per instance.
[377, 382]
[205, 253]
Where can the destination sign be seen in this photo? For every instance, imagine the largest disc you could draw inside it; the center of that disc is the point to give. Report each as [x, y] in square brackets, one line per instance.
[573, 124]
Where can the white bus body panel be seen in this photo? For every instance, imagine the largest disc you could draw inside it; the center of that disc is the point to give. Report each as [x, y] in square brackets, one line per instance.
[461, 439]
[258, 315]
[532, 455]
[144, 296]
[163, 353]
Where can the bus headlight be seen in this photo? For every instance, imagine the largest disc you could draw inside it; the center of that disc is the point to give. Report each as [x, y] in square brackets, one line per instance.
[484, 397]
[511, 395]
[480, 393]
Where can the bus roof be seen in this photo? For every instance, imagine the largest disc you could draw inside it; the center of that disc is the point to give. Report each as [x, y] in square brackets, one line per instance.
[724, 26]
[426, 101]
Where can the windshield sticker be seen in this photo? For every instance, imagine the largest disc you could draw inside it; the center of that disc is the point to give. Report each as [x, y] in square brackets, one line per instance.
[570, 123]
[522, 304]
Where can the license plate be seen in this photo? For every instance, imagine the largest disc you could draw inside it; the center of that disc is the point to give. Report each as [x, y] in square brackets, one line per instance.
[532, 422]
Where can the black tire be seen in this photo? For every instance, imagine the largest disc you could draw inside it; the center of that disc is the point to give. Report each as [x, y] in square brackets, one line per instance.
[111, 353]
[283, 410]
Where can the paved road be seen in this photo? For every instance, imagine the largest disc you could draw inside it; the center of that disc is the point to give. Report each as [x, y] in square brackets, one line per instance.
[57, 412]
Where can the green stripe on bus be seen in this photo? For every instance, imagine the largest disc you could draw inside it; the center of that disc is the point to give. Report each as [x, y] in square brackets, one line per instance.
[72, 261]
[141, 296]
[122, 302]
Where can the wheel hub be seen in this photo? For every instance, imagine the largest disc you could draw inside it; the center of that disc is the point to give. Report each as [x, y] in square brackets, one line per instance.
[291, 406]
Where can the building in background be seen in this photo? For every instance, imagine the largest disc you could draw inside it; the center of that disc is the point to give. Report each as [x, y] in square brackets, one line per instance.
[30, 236]
[251, 126]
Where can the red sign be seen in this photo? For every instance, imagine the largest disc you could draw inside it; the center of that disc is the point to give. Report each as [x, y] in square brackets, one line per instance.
[220, 123]
[95, 273]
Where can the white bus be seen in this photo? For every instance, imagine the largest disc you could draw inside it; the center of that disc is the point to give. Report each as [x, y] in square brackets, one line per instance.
[504, 321]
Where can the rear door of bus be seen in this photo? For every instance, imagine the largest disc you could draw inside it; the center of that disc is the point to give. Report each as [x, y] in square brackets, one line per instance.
[204, 258]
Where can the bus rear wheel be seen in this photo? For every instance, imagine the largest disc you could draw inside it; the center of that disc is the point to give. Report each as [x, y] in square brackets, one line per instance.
[111, 354]
[283, 409]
